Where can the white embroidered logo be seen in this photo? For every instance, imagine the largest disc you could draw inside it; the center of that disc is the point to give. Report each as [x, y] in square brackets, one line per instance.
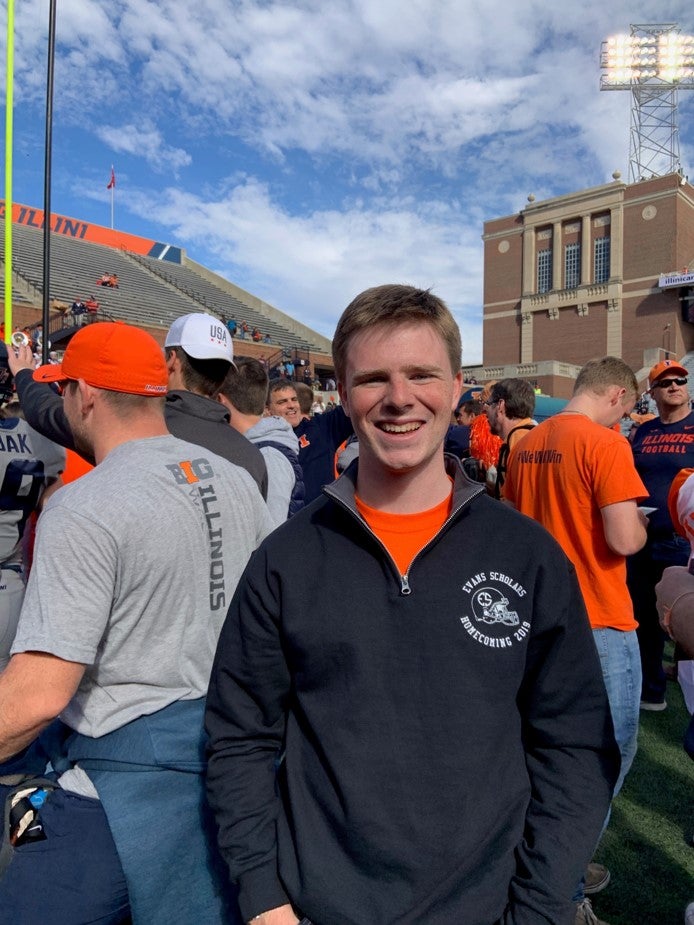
[494, 622]
[490, 606]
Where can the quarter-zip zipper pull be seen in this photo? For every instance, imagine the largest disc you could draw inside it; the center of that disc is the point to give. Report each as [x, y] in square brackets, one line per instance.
[405, 585]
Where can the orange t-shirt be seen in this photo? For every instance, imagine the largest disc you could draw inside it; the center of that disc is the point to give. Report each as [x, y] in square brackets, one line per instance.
[75, 466]
[404, 535]
[561, 474]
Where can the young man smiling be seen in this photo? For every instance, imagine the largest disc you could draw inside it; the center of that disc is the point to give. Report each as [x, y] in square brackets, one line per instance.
[407, 747]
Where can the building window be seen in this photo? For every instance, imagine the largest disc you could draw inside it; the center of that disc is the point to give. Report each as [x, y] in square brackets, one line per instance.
[572, 266]
[602, 260]
[544, 270]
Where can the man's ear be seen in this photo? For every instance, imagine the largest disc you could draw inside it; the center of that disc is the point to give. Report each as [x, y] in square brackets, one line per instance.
[223, 400]
[457, 389]
[342, 392]
[87, 395]
[618, 394]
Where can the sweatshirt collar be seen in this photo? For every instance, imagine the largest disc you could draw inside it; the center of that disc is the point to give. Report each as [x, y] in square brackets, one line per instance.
[464, 489]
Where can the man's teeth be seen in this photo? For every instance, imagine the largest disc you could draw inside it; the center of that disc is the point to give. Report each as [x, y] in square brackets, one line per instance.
[399, 428]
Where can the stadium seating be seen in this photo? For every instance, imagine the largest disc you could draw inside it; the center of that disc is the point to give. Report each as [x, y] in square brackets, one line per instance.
[151, 293]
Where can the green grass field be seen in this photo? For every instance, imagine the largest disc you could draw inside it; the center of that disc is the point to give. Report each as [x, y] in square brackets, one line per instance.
[647, 846]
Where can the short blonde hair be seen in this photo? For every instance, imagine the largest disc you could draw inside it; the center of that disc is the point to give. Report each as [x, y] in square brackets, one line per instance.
[598, 375]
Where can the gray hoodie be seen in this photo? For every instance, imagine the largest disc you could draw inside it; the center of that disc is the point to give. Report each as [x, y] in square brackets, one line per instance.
[281, 476]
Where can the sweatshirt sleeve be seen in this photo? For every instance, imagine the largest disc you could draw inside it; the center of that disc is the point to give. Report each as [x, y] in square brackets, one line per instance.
[245, 722]
[43, 410]
[571, 755]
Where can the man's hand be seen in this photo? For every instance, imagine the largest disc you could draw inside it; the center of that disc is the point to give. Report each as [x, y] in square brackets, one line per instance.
[282, 915]
[20, 358]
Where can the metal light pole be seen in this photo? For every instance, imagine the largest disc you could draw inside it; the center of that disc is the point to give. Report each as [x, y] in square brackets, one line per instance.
[653, 62]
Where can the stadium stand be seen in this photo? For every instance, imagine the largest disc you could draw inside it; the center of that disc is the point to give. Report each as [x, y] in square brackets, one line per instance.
[213, 299]
[151, 293]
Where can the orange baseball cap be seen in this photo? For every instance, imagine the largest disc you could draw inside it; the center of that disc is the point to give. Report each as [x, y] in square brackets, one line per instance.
[112, 355]
[665, 366]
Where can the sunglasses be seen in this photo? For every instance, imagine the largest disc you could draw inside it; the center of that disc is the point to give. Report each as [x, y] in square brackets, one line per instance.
[666, 383]
[490, 404]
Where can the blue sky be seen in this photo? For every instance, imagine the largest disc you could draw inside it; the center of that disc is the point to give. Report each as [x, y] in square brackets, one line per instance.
[307, 150]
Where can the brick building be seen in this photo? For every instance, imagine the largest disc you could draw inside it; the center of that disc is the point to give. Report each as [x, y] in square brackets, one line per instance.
[586, 274]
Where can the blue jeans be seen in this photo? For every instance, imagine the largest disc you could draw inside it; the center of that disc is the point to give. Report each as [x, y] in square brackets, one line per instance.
[621, 670]
[620, 662]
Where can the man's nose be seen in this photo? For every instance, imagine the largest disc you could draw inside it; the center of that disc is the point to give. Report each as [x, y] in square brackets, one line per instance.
[399, 392]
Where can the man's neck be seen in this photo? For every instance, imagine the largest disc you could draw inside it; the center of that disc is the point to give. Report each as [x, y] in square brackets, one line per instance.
[673, 415]
[584, 404]
[243, 422]
[511, 424]
[403, 493]
[120, 433]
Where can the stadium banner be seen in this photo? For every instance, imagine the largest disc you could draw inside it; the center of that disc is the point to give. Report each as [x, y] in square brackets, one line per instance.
[88, 231]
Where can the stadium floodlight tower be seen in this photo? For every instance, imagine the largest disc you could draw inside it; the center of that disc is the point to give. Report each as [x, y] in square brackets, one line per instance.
[654, 62]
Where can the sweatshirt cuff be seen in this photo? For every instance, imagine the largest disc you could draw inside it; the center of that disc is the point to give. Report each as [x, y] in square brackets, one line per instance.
[260, 889]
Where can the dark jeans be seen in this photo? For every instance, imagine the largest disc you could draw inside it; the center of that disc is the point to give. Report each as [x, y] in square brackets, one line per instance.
[644, 571]
[71, 877]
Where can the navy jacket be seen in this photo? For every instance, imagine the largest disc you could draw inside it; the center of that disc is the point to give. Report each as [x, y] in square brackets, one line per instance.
[319, 437]
[443, 738]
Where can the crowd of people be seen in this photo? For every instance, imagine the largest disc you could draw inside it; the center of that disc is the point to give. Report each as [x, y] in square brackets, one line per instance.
[244, 681]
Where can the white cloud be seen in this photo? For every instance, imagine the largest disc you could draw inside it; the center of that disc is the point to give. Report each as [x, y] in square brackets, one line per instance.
[319, 148]
[147, 142]
[313, 265]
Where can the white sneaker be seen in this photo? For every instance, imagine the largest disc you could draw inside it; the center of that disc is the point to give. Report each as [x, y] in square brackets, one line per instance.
[689, 914]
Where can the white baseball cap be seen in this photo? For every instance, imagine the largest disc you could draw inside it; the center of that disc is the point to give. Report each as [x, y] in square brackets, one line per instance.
[202, 336]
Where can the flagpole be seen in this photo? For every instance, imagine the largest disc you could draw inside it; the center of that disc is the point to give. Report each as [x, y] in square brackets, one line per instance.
[9, 125]
[112, 186]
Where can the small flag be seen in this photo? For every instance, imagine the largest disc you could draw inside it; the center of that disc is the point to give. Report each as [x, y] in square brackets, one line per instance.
[112, 182]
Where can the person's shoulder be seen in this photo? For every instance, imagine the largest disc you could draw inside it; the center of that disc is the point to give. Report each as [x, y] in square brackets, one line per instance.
[43, 445]
[276, 429]
[178, 448]
[534, 434]
[652, 424]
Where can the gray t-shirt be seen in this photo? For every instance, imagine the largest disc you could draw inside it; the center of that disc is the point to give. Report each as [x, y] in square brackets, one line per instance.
[134, 569]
